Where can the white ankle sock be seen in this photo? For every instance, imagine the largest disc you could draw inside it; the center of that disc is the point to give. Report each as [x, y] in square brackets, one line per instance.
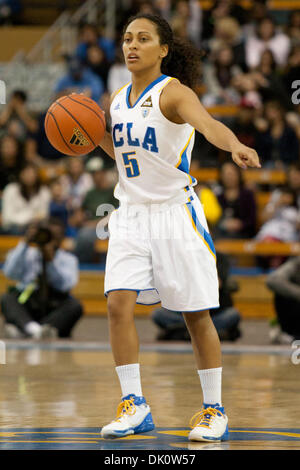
[130, 379]
[33, 329]
[211, 383]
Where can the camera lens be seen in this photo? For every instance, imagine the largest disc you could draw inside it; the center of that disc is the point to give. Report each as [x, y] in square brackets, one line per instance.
[43, 236]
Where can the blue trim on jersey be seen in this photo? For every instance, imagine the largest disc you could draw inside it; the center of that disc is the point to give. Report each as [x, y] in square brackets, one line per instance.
[184, 162]
[112, 290]
[200, 228]
[159, 79]
[137, 291]
[198, 310]
[184, 165]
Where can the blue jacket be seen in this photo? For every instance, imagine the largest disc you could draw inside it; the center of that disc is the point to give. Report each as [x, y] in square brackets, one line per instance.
[88, 80]
[24, 264]
[107, 45]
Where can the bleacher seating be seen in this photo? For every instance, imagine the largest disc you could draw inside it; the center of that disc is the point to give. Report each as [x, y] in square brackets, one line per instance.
[209, 175]
[36, 79]
[19, 38]
[37, 12]
[90, 291]
[255, 248]
[272, 4]
[260, 177]
[228, 246]
[90, 288]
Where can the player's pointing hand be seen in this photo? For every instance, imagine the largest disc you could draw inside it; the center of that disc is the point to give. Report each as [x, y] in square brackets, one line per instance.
[245, 157]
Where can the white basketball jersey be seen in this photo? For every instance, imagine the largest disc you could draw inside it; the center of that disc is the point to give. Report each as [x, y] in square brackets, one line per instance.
[152, 153]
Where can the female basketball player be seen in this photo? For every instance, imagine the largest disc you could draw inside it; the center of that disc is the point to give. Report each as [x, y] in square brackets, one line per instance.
[153, 123]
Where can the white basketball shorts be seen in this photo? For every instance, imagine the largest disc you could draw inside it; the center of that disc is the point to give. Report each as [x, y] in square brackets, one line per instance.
[165, 253]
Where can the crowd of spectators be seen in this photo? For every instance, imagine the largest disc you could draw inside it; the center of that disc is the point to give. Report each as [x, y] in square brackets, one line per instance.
[9, 10]
[251, 61]
[251, 64]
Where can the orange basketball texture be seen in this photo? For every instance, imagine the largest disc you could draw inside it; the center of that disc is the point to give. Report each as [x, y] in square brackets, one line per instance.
[75, 124]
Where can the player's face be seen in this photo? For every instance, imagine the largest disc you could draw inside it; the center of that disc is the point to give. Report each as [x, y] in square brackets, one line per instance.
[141, 46]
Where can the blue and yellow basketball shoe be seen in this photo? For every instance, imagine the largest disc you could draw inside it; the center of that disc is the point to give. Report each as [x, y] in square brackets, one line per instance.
[209, 424]
[133, 417]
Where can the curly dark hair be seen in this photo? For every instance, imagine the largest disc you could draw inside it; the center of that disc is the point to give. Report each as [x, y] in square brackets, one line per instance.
[183, 59]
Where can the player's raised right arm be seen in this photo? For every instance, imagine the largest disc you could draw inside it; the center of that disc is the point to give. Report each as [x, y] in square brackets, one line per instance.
[107, 143]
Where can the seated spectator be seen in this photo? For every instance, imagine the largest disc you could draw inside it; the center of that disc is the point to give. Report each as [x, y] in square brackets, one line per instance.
[293, 121]
[222, 9]
[98, 63]
[161, 7]
[38, 148]
[293, 180]
[211, 206]
[228, 33]
[285, 283]
[87, 218]
[275, 136]
[179, 26]
[247, 85]
[263, 83]
[258, 11]
[269, 83]
[243, 126]
[118, 74]
[79, 79]
[195, 22]
[76, 182]
[204, 154]
[292, 70]
[147, 7]
[24, 201]
[281, 219]
[293, 27]
[267, 38]
[15, 118]
[41, 305]
[217, 78]
[238, 205]
[9, 10]
[89, 36]
[58, 207]
[186, 21]
[226, 318]
[281, 223]
[11, 160]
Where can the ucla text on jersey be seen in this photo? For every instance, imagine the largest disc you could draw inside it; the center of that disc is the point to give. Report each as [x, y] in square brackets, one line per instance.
[152, 153]
[148, 142]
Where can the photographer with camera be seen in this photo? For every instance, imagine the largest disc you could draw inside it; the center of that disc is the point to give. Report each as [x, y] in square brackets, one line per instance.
[40, 305]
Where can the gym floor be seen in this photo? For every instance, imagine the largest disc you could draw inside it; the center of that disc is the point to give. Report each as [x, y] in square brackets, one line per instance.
[58, 394]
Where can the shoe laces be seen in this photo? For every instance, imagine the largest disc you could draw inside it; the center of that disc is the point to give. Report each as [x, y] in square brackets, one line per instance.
[203, 417]
[126, 407]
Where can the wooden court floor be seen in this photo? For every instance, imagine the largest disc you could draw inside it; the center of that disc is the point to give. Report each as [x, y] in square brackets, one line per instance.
[59, 399]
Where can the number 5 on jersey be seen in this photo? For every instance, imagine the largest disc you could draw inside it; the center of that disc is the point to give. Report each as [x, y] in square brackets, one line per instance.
[131, 165]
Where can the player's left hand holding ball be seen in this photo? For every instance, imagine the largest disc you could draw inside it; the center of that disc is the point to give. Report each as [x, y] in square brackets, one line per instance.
[245, 156]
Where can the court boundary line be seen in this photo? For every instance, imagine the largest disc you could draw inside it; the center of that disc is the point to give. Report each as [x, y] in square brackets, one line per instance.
[174, 348]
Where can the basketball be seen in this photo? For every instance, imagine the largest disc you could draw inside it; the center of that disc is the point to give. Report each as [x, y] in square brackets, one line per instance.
[75, 124]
